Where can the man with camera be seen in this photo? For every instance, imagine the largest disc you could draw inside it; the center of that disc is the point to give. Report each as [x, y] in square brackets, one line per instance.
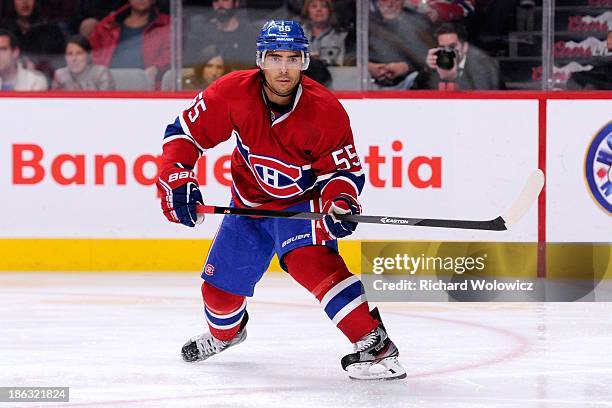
[457, 65]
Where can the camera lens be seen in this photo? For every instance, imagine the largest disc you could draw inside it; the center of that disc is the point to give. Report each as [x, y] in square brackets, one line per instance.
[445, 58]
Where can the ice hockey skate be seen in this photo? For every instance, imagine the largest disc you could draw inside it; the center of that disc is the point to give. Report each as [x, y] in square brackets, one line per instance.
[375, 356]
[204, 346]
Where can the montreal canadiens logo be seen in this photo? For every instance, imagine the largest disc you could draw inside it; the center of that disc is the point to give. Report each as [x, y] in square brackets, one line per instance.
[209, 270]
[276, 178]
[598, 168]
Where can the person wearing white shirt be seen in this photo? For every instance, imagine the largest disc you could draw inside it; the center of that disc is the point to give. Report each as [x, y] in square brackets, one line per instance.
[13, 77]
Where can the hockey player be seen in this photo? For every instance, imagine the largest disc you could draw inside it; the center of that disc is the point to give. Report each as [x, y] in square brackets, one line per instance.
[294, 151]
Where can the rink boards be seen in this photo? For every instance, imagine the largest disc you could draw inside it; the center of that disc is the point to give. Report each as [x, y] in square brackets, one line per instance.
[77, 175]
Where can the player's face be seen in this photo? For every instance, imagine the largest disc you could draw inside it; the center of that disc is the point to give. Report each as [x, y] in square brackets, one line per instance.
[282, 70]
[7, 54]
[76, 58]
[213, 69]
[318, 11]
[24, 8]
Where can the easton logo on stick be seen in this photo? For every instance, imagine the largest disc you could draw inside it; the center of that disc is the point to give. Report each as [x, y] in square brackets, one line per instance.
[387, 220]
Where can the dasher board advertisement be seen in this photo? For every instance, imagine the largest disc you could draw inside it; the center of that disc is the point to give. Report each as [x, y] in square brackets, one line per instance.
[85, 168]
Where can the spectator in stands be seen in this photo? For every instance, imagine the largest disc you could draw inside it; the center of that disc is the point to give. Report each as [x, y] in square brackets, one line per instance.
[344, 12]
[14, 77]
[211, 69]
[136, 35]
[90, 12]
[467, 68]
[598, 78]
[228, 29]
[398, 44]
[79, 73]
[41, 43]
[442, 11]
[326, 41]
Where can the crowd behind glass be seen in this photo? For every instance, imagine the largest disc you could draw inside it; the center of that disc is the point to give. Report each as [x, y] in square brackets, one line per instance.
[411, 44]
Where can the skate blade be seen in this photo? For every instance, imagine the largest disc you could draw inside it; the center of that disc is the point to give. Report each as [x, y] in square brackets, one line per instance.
[386, 369]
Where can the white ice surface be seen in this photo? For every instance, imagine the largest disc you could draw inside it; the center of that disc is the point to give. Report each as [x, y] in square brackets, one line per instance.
[114, 339]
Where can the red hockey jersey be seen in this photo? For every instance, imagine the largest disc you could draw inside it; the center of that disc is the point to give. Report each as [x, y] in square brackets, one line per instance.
[276, 163]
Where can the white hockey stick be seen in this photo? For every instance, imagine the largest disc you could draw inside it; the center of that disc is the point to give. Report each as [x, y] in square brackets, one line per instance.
[525, 200]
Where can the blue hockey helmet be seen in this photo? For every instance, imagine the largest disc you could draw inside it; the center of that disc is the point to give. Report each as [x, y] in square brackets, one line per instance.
[282, 35]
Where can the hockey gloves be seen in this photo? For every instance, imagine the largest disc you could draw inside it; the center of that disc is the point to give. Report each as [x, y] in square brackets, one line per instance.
[179, 193]
[333, 228]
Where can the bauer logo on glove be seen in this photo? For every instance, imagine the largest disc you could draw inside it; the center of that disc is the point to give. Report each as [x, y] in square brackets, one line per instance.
[180, 193]
[181, 175]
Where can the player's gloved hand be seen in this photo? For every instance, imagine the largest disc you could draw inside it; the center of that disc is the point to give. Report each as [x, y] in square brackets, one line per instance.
[333, 228]
[179, 193]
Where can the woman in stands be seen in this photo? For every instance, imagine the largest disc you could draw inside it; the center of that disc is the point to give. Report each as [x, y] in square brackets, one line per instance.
[79, 72]
[211, 68]
[327, 42]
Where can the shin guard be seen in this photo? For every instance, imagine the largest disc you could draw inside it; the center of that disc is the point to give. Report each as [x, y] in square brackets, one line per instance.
[324, 274]
[224, 311]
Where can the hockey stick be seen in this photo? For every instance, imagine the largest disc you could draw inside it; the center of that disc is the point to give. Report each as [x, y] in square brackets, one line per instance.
[511, 216]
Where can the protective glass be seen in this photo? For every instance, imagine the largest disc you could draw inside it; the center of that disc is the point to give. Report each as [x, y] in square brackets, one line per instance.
[272, 60]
